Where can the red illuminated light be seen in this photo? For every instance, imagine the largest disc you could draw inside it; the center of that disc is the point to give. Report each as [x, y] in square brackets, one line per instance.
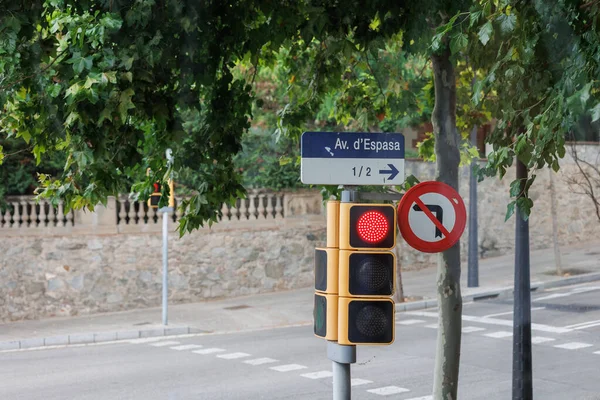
[372, 226]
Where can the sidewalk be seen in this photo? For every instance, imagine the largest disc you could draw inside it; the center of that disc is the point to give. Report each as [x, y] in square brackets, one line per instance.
[284, 308]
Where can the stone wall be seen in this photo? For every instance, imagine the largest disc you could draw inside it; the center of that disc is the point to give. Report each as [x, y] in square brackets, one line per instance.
[97, 262]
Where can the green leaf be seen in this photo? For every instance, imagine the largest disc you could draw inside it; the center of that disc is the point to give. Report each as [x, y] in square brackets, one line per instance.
[485, 32]
[595, 113]
[1, 154]
[110, 76]
[474, 17]
[125, 103]
[25, 135]
[71, 118]
[510, 210]
[38, 150]
[458, 42]
[54, 90]
[507, 22]
[127, 62]
[515, 188]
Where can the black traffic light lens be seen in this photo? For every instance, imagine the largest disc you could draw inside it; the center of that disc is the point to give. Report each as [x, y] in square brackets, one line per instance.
[371, 274]
[321, 270]
[320, 315]
[371, 321]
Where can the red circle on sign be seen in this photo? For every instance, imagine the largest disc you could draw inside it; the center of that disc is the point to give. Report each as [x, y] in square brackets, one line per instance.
[413, 196]
[372, 227]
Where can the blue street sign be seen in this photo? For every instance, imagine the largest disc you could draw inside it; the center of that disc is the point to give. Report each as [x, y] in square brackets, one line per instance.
[352, 158]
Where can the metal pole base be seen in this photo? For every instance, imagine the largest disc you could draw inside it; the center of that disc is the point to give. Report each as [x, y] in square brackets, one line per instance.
[341, 357]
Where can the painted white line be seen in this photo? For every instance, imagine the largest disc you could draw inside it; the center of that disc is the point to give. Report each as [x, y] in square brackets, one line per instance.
[388, 390]
[499, 334]
[510, 312]
[211, 350]
[588, 326]
[233, 356]
[597, 352]
[146, 340]
[553, 296]
[162, 344]
[573, 345]
[187, 347]
[494, 321]
[422, 398]
[358, 382]
[260, 361]
[575, 326]
[318, 375]
[410, 321]
[469, 329]
[432, 326]
[288, 367]
[540, 339]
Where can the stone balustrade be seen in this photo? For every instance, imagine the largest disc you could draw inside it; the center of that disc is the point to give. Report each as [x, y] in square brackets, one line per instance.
[26, 216]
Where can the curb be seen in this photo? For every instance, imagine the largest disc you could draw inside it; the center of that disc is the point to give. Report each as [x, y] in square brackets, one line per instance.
[501, 291]
[88, 338]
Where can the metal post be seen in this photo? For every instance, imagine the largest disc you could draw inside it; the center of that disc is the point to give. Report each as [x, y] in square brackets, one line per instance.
[522, 385]
[473, 269]
[341, 357]
[165, 259]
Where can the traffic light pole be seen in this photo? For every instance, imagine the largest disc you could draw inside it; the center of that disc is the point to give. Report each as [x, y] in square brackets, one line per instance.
[342, 356]
[165, 258]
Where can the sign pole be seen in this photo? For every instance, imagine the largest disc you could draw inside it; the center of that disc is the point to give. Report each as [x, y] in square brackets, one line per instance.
[342, 356]
[165, 249]
[473, 268]
[165, 259]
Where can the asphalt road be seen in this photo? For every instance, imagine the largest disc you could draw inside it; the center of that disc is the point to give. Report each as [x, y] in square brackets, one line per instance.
[290, 363]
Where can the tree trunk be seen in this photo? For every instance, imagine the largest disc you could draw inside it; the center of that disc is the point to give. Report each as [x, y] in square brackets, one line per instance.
[553, 212]
[399, 295]
[447, 140]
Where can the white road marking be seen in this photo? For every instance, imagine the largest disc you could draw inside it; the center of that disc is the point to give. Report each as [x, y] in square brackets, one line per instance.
[288, 367]
[147, 340]
[432, 326]
[162, 344]
[575, 326]
[573, 345]
[553, 296]
[260, 361]
[422, 398]
[388, 390]
[499, 334]
[510, 312]
[210, 350]
[597, 352]
[494, 321]
[541, 339]
[410, 321]
[186, 347]
[233, 356]
[469, 329]
[318, 375]
[358, 382]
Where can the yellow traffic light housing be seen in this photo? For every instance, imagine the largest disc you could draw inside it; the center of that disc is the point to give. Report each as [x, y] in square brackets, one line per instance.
[326, 270]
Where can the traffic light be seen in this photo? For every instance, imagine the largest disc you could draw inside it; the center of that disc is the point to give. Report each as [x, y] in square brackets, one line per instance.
[367, 273]
[155, 196]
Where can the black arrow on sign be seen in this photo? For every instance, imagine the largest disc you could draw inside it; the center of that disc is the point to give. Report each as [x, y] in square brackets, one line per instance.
[439, 215]
[393, 171]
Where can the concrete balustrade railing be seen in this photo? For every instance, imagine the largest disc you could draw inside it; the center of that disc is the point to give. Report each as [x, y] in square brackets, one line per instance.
[26, 216]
